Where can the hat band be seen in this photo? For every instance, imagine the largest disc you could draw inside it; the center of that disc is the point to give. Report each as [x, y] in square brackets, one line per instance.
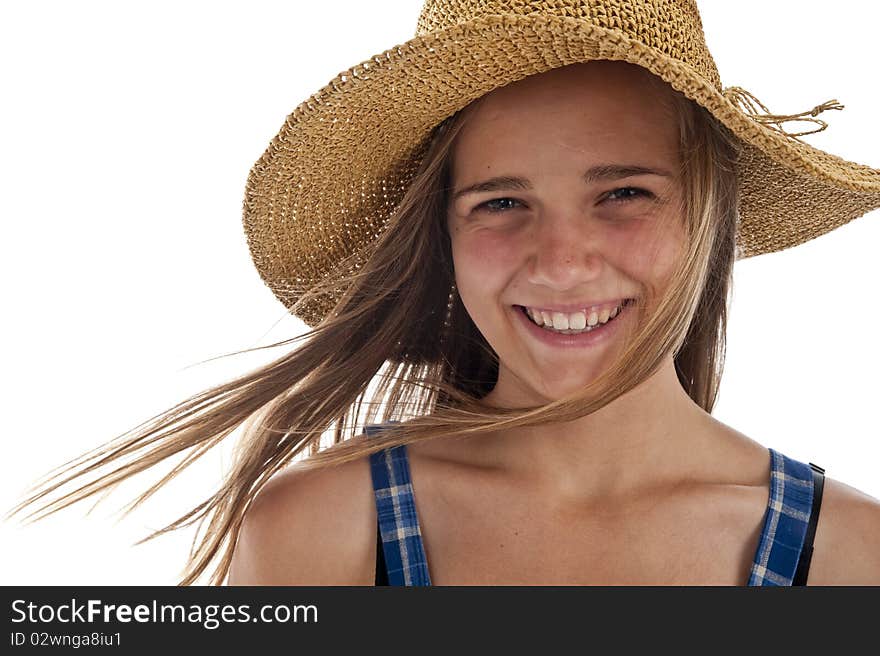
[747, 102]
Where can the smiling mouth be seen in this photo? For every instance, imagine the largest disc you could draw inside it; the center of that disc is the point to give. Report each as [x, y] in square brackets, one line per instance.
[584, 330]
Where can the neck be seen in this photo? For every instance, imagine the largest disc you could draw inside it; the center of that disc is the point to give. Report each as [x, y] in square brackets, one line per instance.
[653, 435]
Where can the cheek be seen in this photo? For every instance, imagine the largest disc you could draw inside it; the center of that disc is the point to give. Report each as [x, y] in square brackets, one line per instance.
[485, 257]
[649, 254]
[485, 263]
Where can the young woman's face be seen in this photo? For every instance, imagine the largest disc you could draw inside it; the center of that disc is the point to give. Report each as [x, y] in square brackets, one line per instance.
[582, 226]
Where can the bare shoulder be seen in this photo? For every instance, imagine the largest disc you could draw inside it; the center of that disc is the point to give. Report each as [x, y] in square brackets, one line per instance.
[310, 527]
[846, 548]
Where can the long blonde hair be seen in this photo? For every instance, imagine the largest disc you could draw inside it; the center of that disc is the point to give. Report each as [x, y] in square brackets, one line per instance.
[430, 374]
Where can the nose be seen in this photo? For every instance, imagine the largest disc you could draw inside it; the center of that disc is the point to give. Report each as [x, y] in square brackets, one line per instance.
[566, 250]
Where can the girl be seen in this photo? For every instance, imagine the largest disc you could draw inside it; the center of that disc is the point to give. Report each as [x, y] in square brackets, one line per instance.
[528, 217]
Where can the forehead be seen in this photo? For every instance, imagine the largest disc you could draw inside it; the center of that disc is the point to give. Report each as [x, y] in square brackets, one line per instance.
[598, 110]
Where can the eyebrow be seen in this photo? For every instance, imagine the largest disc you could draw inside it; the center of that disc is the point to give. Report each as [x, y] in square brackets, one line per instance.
[602, 172]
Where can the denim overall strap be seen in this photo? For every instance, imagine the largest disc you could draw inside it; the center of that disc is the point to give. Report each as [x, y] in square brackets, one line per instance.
[785, 522]
[399, 529]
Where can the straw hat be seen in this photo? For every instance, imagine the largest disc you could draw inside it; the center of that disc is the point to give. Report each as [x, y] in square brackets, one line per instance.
[331, 177]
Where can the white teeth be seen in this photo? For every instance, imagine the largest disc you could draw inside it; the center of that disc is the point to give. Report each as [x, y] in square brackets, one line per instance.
[560, 320]
[573, 321]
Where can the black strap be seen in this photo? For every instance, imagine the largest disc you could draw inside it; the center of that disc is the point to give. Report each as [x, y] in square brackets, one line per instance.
[381, 570]
[803, 566]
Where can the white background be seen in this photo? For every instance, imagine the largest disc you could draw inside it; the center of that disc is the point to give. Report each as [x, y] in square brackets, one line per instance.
[128, 130]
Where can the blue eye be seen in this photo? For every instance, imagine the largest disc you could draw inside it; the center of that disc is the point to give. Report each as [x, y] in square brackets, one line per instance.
[627, 197]
[490, 210]
[630, 193]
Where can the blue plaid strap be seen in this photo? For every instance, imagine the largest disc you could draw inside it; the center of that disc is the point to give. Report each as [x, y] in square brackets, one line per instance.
[398, 523]
[785, 522]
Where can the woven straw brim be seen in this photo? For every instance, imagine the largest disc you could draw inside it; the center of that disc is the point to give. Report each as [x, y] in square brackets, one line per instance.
[331, 177]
